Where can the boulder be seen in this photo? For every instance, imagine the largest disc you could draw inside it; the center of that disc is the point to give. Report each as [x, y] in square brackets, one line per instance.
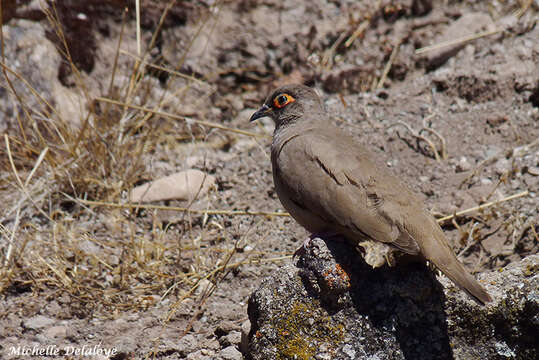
[331, 305]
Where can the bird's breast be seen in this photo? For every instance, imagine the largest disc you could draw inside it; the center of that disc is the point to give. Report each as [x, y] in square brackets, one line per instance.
[286, 169]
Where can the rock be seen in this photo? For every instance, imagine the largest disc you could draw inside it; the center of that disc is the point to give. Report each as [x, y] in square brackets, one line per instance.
[230, 353]
[350, 79]
[184, 185]
[421, 7]
[186, 344]
[54, 332]
[334, 306]
[467, 24]
[38, 322]
[200, 355]
[28, 53]
[32, 54]
[245, 330]
[463, 165]
[225, 327]
[502, 166]
[233, 338]
[504, 327]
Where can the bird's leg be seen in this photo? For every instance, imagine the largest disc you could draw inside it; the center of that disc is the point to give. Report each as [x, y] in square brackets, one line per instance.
[325, 235]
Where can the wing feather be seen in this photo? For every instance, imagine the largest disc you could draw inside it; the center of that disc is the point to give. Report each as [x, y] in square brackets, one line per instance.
[347, 189]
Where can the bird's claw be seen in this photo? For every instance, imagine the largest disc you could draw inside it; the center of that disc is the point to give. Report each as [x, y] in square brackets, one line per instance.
[303, 248]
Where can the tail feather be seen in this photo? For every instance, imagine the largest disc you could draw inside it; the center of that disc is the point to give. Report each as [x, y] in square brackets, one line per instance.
[463, 279]
[434, 248]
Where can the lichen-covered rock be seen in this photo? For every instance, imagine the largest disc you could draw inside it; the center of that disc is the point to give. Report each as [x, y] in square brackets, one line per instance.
[334, 306]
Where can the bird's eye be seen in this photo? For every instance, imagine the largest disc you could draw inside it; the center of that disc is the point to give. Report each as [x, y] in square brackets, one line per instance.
[282, 100]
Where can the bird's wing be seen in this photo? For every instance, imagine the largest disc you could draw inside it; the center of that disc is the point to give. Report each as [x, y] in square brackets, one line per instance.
[328, 173]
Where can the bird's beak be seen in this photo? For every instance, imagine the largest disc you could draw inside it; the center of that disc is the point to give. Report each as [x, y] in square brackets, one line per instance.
[263, 111]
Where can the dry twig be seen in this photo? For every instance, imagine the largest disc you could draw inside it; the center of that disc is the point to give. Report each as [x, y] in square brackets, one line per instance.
[457, 41]
[176, 117]
[392, 57]
[483, 206]
[181, 209]
[418, 136]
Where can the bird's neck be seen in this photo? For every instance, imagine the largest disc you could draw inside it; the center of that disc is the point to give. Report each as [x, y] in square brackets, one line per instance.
[287, 130]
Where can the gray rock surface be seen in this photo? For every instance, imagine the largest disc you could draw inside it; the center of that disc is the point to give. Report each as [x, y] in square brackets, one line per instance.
[333, 306]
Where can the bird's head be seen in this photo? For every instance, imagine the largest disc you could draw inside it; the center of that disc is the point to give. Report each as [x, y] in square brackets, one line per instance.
[288, 104]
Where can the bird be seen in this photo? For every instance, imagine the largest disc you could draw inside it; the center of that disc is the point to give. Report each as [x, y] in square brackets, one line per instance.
[330, 183]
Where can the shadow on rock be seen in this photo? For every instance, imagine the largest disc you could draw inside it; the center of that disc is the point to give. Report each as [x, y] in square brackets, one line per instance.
[332, 305]
[406, 302]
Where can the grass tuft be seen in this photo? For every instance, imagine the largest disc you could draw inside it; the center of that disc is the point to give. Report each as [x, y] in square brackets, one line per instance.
[54, 170]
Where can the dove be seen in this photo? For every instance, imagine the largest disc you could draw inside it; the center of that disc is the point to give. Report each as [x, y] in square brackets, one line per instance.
[330, 183]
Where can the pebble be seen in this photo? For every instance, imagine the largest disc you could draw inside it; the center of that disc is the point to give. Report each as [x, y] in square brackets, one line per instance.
[463, 165]
[245, 329]
[200, 355]
[186, 344]
[502, 166]
[38, 322]
[54, 332]
[231, 353]
[225, 327]
[183, 185]
[233, 338]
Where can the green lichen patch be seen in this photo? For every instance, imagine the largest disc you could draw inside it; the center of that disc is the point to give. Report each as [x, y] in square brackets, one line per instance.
[303, 329]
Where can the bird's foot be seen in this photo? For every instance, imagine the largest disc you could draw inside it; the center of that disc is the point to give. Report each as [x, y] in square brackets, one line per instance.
[308, 241]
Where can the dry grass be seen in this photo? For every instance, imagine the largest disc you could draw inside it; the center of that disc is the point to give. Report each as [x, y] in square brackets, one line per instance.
[54, 238]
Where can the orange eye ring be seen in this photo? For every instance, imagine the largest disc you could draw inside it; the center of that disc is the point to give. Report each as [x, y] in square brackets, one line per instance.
[281, 100]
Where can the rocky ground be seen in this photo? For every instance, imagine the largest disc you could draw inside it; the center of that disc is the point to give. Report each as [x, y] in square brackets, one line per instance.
[319, 308]
[458, 123]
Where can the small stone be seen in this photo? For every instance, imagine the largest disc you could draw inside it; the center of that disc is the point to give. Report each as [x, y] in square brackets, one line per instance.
[463, 165]
[233, 338]
[54, 332]
[245, 329]
[495, 120]
[225, 327]
[502, 166]
[184, 185]
[486, 181]
[53, 308]
[199, 355]
[203, 285]
[38, 322]
[186, 344]
[491, 150]
[231, 353]
[348, 350]
[114, 260]
[533, 170]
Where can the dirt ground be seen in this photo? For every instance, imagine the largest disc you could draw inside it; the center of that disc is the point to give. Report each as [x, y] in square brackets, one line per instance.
[152, 283]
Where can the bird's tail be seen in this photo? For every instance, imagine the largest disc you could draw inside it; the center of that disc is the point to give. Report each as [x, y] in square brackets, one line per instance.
[463, 279]
[445, 259]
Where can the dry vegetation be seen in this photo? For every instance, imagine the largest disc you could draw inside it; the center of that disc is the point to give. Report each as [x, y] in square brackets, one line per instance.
[54, 171]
